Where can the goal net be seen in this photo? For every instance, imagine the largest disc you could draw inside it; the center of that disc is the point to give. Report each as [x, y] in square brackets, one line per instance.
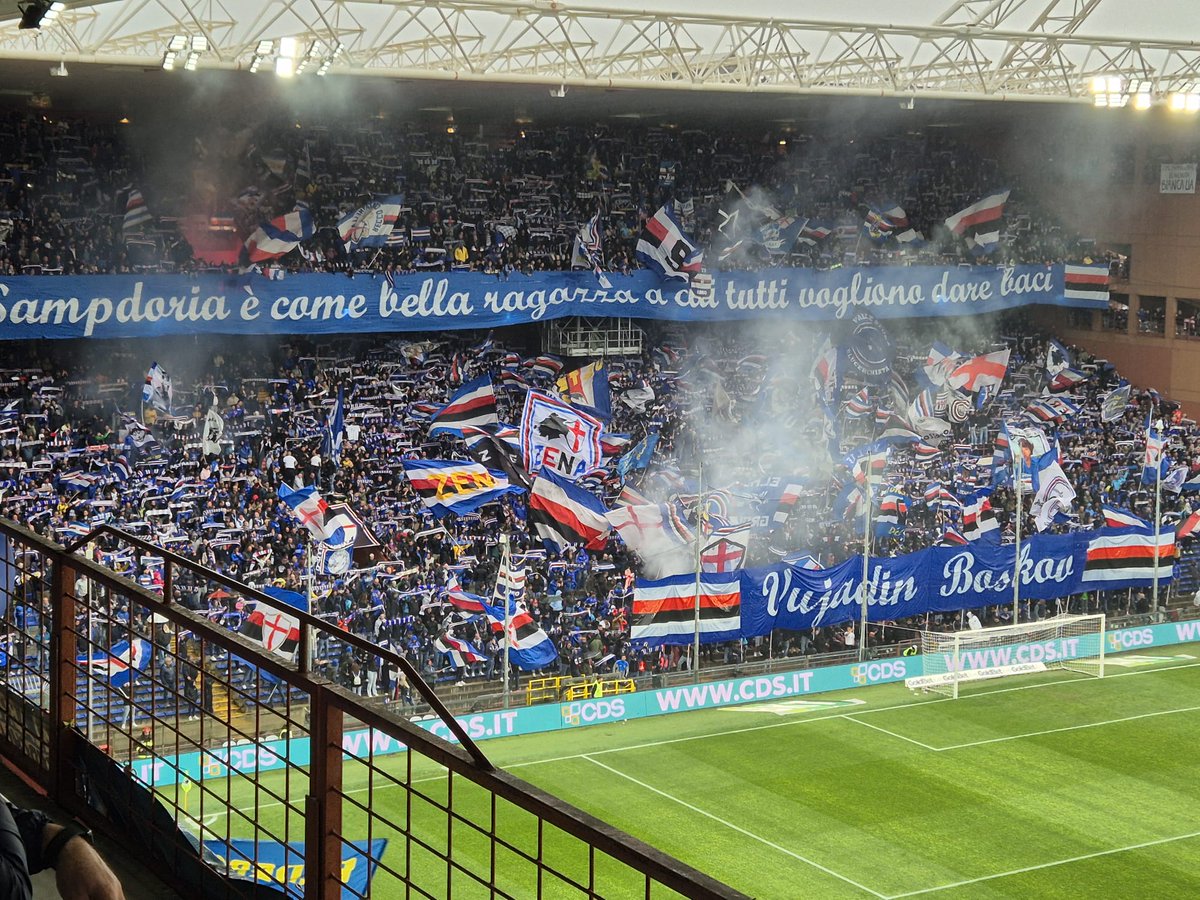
[964, 657]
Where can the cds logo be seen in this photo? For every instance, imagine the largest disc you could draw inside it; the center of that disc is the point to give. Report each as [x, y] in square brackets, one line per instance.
[875, 672]
[1128, 638]
[590, 712]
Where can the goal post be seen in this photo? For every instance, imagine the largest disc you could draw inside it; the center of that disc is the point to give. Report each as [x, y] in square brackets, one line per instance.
[950, 659]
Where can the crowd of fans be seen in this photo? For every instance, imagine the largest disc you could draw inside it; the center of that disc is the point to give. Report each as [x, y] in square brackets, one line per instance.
[76, 451]
[511, 201]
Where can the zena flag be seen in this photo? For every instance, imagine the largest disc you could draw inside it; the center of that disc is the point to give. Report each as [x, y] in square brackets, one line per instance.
[455, 486]
[558, 437]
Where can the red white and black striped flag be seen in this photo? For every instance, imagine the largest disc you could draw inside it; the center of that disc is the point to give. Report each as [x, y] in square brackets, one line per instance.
[1126, 559]
[563, 514]
[979, 224]
[664, 611]
[473, 405]
[1085, 281]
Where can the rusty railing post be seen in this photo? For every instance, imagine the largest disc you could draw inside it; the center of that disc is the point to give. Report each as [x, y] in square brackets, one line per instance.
[62, 652]
[323, 805]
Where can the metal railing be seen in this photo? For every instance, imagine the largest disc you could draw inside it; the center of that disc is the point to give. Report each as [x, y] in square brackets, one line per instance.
[238, 772]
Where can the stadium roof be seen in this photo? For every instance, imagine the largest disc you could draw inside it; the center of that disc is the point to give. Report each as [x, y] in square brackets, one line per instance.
[971, 49]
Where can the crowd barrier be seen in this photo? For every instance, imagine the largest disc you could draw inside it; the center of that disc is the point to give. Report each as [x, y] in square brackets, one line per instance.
[253, 758]
[449, 824]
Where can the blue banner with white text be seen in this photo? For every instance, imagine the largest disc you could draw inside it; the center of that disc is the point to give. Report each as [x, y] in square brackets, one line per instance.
[123, 306]
[940, 579]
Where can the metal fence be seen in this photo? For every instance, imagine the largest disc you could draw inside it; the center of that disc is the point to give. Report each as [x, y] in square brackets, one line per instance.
[241, 774]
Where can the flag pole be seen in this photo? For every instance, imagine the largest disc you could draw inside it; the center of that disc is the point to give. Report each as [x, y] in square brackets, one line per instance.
[699, 538]
[1157, 525]
[862, 639]
[504, 564]
[310, 651]
[1017, 544]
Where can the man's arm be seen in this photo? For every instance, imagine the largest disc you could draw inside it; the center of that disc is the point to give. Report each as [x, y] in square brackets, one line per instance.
[79, 871]
[14, 868]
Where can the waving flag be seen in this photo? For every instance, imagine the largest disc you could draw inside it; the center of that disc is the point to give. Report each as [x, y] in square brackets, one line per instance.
[559, 437]
[529, 647]
[370, 224]
[136, 212]
[1053, 493]
[979, 223]
[276, 629]
[461, 652]
[459, 598]
[664, 611]
[157, 390]
[1123, 518]
[1188, 527]
[280, 236]
[893, 509]
[982, 371]
[665, 249]
[952, 537]
[563, 514]
[1066, 379]
[454, 486]
[335, 429]
[978, 519]
[472, 406]
[496, 447]
[122, 662]
[588, 389]
[1155, 460]
[658, 535]
[309, 507]
[1112, 407]
[588, 250]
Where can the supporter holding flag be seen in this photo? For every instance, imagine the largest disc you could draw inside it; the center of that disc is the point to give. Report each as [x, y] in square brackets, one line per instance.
[123, 662]
[588, 250]
[462, 652]
[335, 428]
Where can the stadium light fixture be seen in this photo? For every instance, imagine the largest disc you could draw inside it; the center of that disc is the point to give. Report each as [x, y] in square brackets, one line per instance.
[1184, 102]
[285, 62]
[1108, 91]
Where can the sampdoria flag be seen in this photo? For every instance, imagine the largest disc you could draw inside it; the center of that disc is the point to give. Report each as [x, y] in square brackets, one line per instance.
[1086, 281]
[980, 372]
[1053, 493]
[1189, 526]
[280, 236]
[157, 390]
[588, 389]
[562, 514]
[529, 646]
[136, 213]
[979, 223]
[664, 611]
[461, 652]
[664, 248]
[1155, 461]
[275, 628]
[497, 448]
[370, 225]
[1123, 518]
[472, 406]
[1066, 379]
[978, 519]
[460, 598]
[1126, 559]
[453, 486]
[559, 437]
[122, 661]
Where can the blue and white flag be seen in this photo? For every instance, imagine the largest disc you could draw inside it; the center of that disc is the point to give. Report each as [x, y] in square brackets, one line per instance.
[122, 662]
[335, 427]
[371, 224]
[639, 456]
[663, 247]
[1112, 407]
[529, 647]
[1155, 462]
[280, 236]
[157, 390]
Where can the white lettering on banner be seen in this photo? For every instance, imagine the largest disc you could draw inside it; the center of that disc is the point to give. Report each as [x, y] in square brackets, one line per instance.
[880, 670]
[1014, 282]
[959, 575]
[432, 300]
[1039, 652]
[881, 592]
[723, 693]
[1187, 631]
[592, 712]
[1128, 638]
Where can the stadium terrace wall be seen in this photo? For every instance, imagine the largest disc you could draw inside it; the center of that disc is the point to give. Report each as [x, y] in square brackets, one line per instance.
[128, 306]
[251, 759]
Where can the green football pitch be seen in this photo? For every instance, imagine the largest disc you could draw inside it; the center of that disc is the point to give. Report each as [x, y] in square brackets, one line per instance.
[1055, 785]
